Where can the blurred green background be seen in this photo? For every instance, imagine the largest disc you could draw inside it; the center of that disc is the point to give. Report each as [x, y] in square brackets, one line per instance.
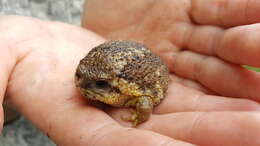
[252, 68]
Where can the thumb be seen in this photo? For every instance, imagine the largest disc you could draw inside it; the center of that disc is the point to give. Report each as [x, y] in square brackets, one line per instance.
[5, 70]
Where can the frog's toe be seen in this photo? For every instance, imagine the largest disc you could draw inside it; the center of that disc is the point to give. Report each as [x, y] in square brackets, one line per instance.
[130, 118]
[133, 118]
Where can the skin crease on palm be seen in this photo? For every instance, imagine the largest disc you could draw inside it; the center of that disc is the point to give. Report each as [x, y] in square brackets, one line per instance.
[39, 60]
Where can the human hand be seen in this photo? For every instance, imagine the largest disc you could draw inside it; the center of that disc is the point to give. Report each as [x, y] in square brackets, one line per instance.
[205, 45]
[203, 41]
[38, 63]
[37, 68]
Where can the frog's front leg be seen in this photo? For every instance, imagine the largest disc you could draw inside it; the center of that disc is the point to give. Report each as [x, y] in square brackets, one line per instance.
[143, 108]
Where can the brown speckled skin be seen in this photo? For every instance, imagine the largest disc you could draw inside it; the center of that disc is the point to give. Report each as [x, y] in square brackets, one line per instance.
[123, 74]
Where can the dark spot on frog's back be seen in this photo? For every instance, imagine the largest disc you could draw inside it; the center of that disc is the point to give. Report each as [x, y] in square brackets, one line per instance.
[137, 57]
[130, 78]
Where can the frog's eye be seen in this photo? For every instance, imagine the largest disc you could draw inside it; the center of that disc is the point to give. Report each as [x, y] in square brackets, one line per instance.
[101, 84]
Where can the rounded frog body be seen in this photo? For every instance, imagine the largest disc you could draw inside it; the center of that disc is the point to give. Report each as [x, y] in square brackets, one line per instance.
[123, 74]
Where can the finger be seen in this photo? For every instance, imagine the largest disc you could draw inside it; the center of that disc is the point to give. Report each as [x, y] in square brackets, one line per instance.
[222, 12]
[6, 65]
[5, 70]
[219, 76]
[191, 84]
[42, 88]
[220, 128]
[238, 45]
[184, 99]
[212, 128]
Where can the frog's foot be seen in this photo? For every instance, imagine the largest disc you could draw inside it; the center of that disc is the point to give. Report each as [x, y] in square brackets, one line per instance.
[143, 106]
[133, 118]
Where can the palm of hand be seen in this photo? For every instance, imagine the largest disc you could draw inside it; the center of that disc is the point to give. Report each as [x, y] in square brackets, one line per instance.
[205, 45]
[42, 58]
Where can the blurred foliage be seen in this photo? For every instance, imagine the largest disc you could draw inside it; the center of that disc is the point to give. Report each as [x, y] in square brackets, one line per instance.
[252, 68]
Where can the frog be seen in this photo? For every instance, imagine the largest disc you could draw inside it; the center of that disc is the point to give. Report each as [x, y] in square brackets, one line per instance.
[123, 73]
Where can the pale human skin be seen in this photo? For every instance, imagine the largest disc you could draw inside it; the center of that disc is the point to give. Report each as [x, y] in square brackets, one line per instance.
[218, 37]
[38, 61]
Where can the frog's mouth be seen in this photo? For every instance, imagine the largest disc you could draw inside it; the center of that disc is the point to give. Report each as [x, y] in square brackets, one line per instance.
[111, 98]
[90, 94]
[113, 92]
[94, 89]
